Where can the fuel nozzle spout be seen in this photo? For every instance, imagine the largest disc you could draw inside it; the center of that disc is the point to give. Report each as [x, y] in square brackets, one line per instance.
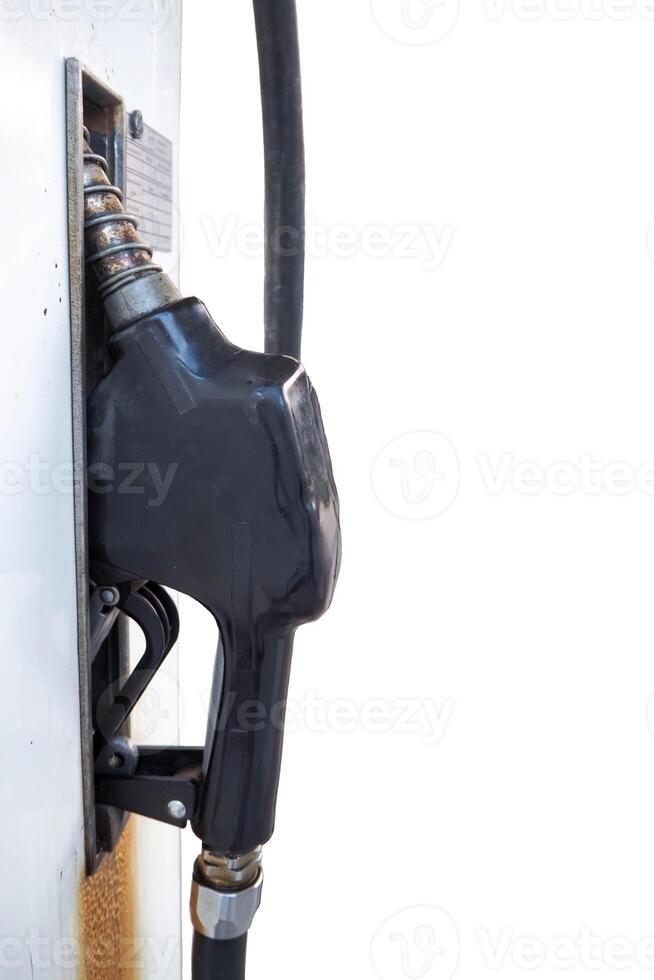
[130, 284]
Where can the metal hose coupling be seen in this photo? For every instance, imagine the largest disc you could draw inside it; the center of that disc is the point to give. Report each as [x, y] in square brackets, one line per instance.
[131, 285]
[226, 893]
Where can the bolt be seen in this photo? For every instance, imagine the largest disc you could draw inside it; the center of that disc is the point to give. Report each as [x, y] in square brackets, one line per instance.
[116, 761]
[136, 124]
[177, 810]
[110, 597]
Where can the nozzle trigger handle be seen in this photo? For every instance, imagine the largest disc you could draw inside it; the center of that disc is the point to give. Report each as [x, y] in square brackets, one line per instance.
[245, 737]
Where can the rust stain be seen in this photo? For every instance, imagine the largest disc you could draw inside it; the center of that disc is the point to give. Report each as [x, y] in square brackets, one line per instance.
[108, 916]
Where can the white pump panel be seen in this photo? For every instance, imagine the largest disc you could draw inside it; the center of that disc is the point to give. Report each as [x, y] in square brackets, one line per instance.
[135, 47]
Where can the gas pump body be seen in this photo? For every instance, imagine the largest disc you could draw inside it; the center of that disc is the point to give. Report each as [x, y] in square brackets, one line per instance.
[49, 908]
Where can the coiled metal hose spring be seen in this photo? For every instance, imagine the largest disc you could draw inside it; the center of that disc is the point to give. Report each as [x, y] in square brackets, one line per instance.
[115, 250]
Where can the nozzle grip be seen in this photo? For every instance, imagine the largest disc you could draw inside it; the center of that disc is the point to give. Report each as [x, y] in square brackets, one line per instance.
[245, 738]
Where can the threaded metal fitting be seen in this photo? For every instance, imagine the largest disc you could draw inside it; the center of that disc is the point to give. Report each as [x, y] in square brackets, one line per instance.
[226, 893]
[227, 871]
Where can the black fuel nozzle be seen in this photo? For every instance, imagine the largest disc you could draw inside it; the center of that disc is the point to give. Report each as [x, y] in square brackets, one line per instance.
[233, 503]
[209, 473]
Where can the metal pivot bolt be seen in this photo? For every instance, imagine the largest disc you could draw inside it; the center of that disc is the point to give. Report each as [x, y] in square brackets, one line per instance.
[177, 809]
[110, 596]
[136, 124]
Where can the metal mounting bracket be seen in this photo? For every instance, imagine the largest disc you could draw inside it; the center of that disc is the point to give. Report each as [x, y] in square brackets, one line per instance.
[156, 782]
[90, 101]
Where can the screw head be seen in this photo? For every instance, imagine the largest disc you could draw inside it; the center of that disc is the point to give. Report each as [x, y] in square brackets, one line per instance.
[177, 810]
[110, 597]
[136, 124]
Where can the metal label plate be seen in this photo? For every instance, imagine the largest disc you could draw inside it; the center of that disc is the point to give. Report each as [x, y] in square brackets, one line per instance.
[150, 187]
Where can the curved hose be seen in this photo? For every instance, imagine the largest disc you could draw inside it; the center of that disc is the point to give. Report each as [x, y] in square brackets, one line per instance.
[281, 99]
[212, 960]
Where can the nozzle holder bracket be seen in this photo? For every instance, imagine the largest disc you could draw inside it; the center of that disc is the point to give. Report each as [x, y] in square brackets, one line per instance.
[164, 784]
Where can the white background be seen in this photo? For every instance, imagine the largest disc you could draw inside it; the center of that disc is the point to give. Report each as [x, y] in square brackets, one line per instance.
[517, 622]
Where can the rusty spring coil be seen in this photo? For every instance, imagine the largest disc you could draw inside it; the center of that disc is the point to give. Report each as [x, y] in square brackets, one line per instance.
[114, 249]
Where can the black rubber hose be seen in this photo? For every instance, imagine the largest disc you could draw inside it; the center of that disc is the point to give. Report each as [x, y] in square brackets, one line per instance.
[213, 960]
[281, 99]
